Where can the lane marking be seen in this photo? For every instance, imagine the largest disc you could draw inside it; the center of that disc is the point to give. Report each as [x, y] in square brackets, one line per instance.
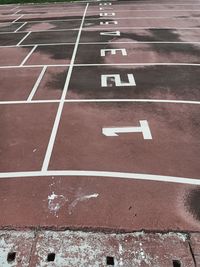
[23, 38]
[33, 66]
[83, 65]
[105, 174]
[26, 102]
[108, 64]
[100, 18]
[29, 54]
[15, 12]
[102, 100]
[105, 11]
[108, 28]
[13, 7]
[36, 85]
[62, 100]
[86, 43]
[17, 19]
[139, 64]
[20, 27]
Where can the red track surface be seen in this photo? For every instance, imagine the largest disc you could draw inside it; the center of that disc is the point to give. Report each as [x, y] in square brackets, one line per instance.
[58, 98]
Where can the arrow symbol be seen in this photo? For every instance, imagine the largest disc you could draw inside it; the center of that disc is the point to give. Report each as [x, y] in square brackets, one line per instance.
[143, 128]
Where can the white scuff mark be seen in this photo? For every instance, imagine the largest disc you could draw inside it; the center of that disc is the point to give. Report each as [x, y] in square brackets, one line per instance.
[121, 254]
[181, 236]
[55, 202]
[120, 249]
[80, 199]
[34, 150]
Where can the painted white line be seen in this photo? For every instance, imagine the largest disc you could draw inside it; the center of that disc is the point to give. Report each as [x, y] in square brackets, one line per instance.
[96, 12]
[20, 27]
[33, 66]
[139, 64]
[106, 174]
[149, 10]
[29, 54]
[103, 101]
[26, 102]
[35, 87]
[154, 4]
[17, 19]
[23, 38]
[111, 64]
[134, 100]
[16, 12]
[109, 28]
[13, 7]
[93, 43]
[61, 105]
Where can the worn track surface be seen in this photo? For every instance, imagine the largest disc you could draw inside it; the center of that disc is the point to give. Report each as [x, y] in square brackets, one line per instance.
[100, 119]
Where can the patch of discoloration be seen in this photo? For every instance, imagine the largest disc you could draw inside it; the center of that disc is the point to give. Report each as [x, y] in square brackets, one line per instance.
[50, 54]
[161, 82]
[52, 84]
[9, 27]
[142, 35]
[51, 37]
[192, 202]
[10, 38]
[139, 53]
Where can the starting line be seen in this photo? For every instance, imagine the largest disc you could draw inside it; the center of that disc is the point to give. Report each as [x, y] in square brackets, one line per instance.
[105, 174]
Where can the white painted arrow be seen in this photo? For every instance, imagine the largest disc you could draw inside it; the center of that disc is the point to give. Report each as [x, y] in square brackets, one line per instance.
[143, 128]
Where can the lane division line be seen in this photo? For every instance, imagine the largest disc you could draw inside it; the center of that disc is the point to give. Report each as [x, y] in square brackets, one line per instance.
[122, 175]
[62, 100]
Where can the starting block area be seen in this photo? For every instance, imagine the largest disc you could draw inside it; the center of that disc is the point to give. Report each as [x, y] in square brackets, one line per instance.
[100, 115]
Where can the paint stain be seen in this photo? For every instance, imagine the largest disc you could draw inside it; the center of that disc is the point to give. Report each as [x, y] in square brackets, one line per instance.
[80, 198]
[192, 203]
[55, 202]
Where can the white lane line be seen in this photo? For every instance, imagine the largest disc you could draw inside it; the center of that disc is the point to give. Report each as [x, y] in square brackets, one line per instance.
[61, 105]
[20, 27]
[23, 38]
[35, 87]
[17, 19]
[109, 64]
[13, 7]
[109, 28]
[100, 18]
[29, 54]
[135, 100]
[16, 12]
[149, 4]
[26, 102]
[106, 174]
[96, 43]
[93, 43]
[139, 64]
[148, 10]
[33, 66]
[102, 100]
